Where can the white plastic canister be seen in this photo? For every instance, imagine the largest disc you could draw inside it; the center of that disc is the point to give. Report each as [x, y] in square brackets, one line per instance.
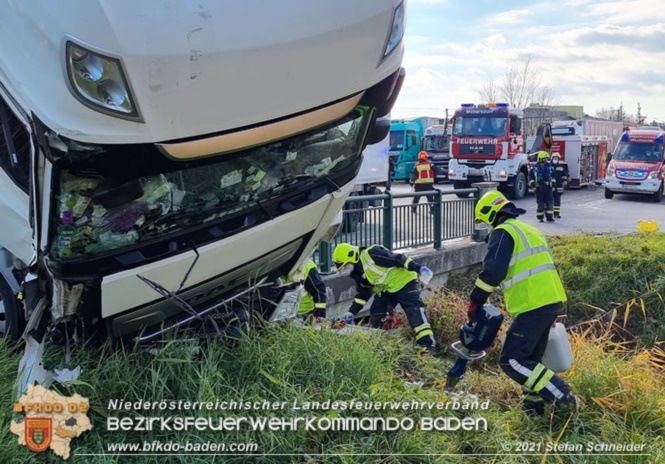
[558, 355]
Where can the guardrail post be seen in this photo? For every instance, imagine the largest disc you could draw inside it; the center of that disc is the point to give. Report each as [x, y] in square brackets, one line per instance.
[325, 256]
[438, 220]
[388, 221]
[480, 231]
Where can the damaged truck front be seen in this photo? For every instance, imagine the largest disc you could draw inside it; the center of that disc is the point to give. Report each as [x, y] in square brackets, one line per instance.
[161, 158]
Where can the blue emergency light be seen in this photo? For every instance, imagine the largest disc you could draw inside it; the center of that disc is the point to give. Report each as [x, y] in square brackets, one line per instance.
[504, 105]
[659, 139]
[467, 105]
[624, 137]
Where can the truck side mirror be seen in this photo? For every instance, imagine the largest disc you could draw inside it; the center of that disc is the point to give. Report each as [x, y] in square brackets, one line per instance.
[378, 131]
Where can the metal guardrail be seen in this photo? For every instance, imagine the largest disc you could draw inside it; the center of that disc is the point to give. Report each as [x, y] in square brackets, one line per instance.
[390, 221]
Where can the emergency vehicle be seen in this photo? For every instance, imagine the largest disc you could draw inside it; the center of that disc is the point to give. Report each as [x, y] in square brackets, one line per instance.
[487, 145]
[586, 156]
[160, 159]
[637, 164]
[436, 143]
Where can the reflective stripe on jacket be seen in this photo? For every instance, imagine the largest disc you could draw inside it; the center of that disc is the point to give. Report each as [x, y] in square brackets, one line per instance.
[307, 303]
[390, 279]
[532, 280]
[425, 173]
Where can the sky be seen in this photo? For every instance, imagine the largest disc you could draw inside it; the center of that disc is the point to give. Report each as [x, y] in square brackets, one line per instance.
[594, 53]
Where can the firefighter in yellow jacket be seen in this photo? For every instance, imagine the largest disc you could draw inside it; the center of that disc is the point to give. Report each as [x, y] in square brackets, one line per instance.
[422, 179]
[393, 278]
[313, 297]
[519, 260]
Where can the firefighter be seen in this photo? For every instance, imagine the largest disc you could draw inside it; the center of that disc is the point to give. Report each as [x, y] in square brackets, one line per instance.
[519, 260]
[541, 178]
[393, 278]
[561, 178]
[313, 297]
[422, 178]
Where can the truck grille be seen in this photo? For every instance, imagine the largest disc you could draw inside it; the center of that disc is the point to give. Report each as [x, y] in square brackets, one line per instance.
[476, 149]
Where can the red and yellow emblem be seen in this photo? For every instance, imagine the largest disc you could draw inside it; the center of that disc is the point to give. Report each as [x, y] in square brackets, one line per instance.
[38, 433]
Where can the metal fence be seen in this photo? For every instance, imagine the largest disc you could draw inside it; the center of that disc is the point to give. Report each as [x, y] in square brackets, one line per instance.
[396, 222]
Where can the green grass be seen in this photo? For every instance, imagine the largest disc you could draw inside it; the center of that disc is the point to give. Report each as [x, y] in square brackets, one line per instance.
[620, 385]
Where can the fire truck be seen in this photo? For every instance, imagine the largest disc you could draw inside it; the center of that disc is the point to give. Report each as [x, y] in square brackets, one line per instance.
[487, 145]
[585, 155]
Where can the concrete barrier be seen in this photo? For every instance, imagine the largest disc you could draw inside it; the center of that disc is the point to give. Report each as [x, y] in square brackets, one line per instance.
[455, 257]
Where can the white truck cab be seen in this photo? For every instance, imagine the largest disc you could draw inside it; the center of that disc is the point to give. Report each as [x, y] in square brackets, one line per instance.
[160, 158]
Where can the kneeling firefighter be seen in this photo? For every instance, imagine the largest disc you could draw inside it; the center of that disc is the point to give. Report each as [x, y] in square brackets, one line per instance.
[393, 277]
[519, 260]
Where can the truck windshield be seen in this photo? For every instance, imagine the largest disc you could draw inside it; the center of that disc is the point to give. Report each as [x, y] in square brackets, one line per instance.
[633, 151]
[487, 126]
[436, 143]
[396, 140]
[111, 201]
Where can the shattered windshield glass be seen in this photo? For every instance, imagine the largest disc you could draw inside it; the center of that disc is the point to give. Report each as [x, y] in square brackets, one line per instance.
[95, 213]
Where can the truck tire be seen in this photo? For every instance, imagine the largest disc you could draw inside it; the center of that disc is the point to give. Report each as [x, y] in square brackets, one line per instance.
[12, 322]
[351, 220]
[458, 186]
[608, 193]
[519, 188]
[658, 195]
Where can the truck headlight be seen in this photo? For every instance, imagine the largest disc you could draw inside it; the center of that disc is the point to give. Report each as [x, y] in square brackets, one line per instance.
[653, 175]
[503, 173]
[396, 29]
[610, 172]
[451, 172]
[98, 81]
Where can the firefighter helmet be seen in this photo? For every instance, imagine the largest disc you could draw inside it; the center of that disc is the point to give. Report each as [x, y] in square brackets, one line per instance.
[543, 155]
[345, 253]
[422, 155]
[489, 205]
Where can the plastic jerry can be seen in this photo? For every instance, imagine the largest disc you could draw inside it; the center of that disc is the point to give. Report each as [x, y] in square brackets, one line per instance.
[647, 226]
[558, 356]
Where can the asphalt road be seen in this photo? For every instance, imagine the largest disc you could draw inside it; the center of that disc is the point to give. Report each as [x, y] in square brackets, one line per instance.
[586, 210]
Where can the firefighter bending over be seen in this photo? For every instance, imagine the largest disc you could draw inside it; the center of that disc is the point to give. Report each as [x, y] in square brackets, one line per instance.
[541, 178]
[561, 179]
[519, 259]
[393, 277]
[422, 179]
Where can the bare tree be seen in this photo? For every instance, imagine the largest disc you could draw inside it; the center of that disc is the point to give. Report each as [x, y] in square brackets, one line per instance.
[640, 117]
[489, 91]
[607, 113]
[522, 86]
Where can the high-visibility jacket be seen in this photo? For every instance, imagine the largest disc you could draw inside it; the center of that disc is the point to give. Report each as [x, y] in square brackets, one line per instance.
[307, 300]
[532, 280]
[423, 173]
[541, 176]
[390, 279]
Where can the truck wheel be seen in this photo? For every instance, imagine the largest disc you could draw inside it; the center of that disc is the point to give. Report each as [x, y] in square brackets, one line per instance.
[519, 187]
[12, 322]
[458, 186]
[608, 193]
[351, 220]
[658, 195]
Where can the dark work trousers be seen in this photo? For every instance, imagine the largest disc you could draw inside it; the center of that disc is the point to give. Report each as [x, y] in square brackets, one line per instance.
[414, 308]
[526, 340]
[557, 201]
[430, 198]
[545, 200]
